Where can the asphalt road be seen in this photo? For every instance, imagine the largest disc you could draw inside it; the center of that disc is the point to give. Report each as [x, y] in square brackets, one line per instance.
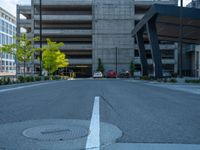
[144, 113]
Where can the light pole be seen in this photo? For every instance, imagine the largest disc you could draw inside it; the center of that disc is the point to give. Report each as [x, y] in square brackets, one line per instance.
[116, 53]
[181, 39]
[40, 37]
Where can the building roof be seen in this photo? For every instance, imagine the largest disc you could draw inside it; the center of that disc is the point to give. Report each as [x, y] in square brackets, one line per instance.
[2, 10]
[168, 23]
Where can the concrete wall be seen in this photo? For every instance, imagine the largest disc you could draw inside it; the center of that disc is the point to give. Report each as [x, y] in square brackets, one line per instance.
[102, 27]
[112, 25]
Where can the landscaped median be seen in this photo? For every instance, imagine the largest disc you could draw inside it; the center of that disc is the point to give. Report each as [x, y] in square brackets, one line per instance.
[172, 79]
[21, 79]
[148, 78]
[196, 81]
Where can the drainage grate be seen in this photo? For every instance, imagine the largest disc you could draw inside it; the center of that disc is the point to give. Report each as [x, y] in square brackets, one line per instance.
[56, 132]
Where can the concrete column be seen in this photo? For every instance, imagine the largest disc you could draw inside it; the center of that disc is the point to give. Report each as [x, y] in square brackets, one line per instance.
[197, 61]
[155, 49]
[176, 59]
[17, 34]
[143, 59]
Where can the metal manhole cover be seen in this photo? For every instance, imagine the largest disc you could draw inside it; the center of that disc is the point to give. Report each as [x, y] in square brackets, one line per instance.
[56, 132]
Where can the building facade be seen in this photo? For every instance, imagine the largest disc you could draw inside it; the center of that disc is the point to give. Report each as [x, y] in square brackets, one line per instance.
[191, 53]
[92, 30]
[7, 31]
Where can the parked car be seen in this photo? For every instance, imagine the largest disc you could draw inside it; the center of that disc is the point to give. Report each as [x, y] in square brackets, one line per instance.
[98, 74]
[124, 74]
[166, 74]
[111, 74]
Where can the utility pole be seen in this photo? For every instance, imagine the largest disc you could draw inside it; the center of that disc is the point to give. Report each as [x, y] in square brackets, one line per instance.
[40, 37]
[181, 40]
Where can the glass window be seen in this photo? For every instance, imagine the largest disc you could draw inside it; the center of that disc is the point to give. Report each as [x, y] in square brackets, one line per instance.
[3, 39]
[6, 27]
[1, 28]
[0, 38]
[10, 29]
[7, 39]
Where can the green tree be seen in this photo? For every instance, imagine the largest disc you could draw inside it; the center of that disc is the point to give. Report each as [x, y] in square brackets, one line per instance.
[132, 68]
[52, 57]
[23, 50]
[100, 66]
[5, 49]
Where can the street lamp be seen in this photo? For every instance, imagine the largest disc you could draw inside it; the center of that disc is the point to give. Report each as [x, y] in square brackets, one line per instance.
[181, 39]
[116, 53]
[40, 37]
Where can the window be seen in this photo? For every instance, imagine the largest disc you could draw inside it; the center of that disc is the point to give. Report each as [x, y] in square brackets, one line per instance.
[0, 38]
[3, 39]
[136, 53]
[1, 27]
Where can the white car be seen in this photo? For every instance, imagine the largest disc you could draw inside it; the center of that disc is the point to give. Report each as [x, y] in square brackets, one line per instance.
[98, 75]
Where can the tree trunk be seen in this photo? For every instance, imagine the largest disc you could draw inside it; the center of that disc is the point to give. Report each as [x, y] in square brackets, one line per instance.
[24, 67]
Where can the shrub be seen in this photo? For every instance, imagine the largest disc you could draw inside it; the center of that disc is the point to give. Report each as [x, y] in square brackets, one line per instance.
[21, 79]
[46, 78]
[32, 79]
[192, 81]
[173, 80]
[27, 79]
[56, 77]
[144, 78]
[38, 78]
[8, 81]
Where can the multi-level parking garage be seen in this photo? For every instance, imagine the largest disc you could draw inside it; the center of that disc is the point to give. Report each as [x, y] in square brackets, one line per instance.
[67, 22]
[93, 29]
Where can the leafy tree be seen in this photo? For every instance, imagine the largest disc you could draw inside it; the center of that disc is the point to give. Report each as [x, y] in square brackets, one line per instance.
[100, 66]
[52, 57]
[132, 68]
[5, 49]
[23, 50]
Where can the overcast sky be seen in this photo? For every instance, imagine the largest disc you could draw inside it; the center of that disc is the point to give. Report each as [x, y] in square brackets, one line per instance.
[10, 5]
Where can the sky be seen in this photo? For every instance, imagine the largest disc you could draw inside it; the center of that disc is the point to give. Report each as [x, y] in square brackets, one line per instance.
[10, 5]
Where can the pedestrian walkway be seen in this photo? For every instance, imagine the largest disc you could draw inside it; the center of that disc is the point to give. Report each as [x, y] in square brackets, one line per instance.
[146, 146]
[184, 87]
[189, 88]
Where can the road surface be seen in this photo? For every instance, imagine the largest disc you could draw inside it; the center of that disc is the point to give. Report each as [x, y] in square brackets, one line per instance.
[143, 112]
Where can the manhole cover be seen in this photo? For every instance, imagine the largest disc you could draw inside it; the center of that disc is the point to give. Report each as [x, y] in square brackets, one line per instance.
[56, 132]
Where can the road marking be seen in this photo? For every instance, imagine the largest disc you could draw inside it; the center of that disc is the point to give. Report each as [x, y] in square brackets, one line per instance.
[93, 139]
[23, 87]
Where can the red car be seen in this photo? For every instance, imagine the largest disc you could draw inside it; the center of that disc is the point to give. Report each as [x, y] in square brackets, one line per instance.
[111, 74]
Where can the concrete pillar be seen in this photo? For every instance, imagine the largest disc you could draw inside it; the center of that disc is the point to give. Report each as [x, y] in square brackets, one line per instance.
[176, 59]
[141, 46]
[17, 34]
[197, 61]
[155, 49]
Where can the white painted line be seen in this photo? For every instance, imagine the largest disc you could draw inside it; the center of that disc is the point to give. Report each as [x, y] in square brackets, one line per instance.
[93, 139]
[23, 87]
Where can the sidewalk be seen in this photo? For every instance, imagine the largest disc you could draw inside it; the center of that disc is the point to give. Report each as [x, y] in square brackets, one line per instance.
[146, 146]
[179, 86]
